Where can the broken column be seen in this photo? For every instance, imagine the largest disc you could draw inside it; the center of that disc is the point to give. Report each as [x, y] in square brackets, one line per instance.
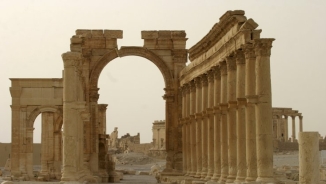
[309, 157]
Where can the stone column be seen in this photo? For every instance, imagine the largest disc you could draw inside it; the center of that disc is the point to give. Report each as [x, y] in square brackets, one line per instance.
[188, 152]
[240, 118]
[47, 119]
[231, 119]
[293, 129]
[193, 128]
[29, 152]
[57, 153]
[204, 126]
[70, 117]
[300, 125]
[309, 163]
[250, 91]
[198, 126]
[210, 128]
[286, 128]
[15, 138]
[264, 128]
[223, 124]
[217, 128]
[184, 163]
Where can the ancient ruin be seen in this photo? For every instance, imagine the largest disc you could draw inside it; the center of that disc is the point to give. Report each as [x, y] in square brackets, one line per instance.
[219, 117]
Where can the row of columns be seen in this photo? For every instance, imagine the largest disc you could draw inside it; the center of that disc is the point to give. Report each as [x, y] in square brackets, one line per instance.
[283, 132]
[227, 118]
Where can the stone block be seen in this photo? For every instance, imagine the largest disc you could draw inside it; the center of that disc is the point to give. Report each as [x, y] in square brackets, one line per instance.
[162, 52]
[84, 33]
[163, 43]
[75, 48]
[97, 33]
[179, 43]
[150, 43]
[164, 34]
[113, 33]
[95, 43]
[111, 43]
[178, 34]
[76, 40]
[100, 52]
[131, 172]
[149, 35]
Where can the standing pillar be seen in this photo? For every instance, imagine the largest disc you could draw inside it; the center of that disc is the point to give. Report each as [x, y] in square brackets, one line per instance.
[188, 152]
[184, 163]
[231, 119]
[293, 129]
[264, 128]
[223, 124]
[240, 118]
[193, 128]
[198, 127]
[71, 154]
[286, 128]
[57, 153]
[217, 128]
[210, 128]
[309, 163]
[47, 119]
[250, 93]
[29, 152]
[300, 125]
[204, 126]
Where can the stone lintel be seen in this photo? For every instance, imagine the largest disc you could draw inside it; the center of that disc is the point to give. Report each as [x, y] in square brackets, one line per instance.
[249, 24]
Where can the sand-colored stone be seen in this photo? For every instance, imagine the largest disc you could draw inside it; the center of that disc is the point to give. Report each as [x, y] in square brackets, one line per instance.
[198, 109]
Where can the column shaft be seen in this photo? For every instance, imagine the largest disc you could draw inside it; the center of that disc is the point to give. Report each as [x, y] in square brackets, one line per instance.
[240, 121]
[231, 119]
[250, 118]
[264, 128]
[184, 102]
[217, 129]
[198, 126]
[193, 128]
[300, 125]
[223, 124]
[293, 129]
[188, 152]
[204, 126]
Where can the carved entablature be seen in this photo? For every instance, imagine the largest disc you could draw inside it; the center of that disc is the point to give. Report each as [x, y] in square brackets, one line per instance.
[225, 39]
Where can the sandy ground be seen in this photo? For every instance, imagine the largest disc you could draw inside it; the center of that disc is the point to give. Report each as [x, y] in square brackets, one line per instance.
[140, 162]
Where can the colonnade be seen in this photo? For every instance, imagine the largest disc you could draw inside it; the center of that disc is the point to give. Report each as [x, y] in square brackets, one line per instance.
[227, 118]
[281, 126]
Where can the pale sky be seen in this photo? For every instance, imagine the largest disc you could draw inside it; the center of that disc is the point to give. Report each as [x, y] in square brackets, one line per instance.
[34, 34]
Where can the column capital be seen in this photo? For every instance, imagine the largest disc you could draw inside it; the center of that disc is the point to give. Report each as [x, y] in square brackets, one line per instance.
[240, 57]
[192, 86]
[198, 115]
[231, 63]
[217, 72]
[285, 116]
[263, 46]
[249, 51]
[210, 76]
[300, 117]
[204, 80]
[223, 68]
[198, 82]
[71, 59]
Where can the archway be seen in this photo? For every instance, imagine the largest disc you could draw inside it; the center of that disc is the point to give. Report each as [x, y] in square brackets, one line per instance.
[134, 98]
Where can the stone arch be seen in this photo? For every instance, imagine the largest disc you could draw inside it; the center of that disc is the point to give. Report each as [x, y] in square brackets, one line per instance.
[38, 110]
[130, 51]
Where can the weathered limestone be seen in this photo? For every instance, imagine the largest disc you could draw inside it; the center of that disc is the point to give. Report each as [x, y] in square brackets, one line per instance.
[263, 109]
[218, 108]
[309, 163]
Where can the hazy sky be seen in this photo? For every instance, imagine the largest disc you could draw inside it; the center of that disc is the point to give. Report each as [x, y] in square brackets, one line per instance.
[34, 34]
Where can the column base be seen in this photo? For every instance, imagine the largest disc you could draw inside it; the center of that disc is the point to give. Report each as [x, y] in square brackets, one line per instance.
[240, 180]
[203, 175]
[265, 180]
[230, 179]
[215, 177]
